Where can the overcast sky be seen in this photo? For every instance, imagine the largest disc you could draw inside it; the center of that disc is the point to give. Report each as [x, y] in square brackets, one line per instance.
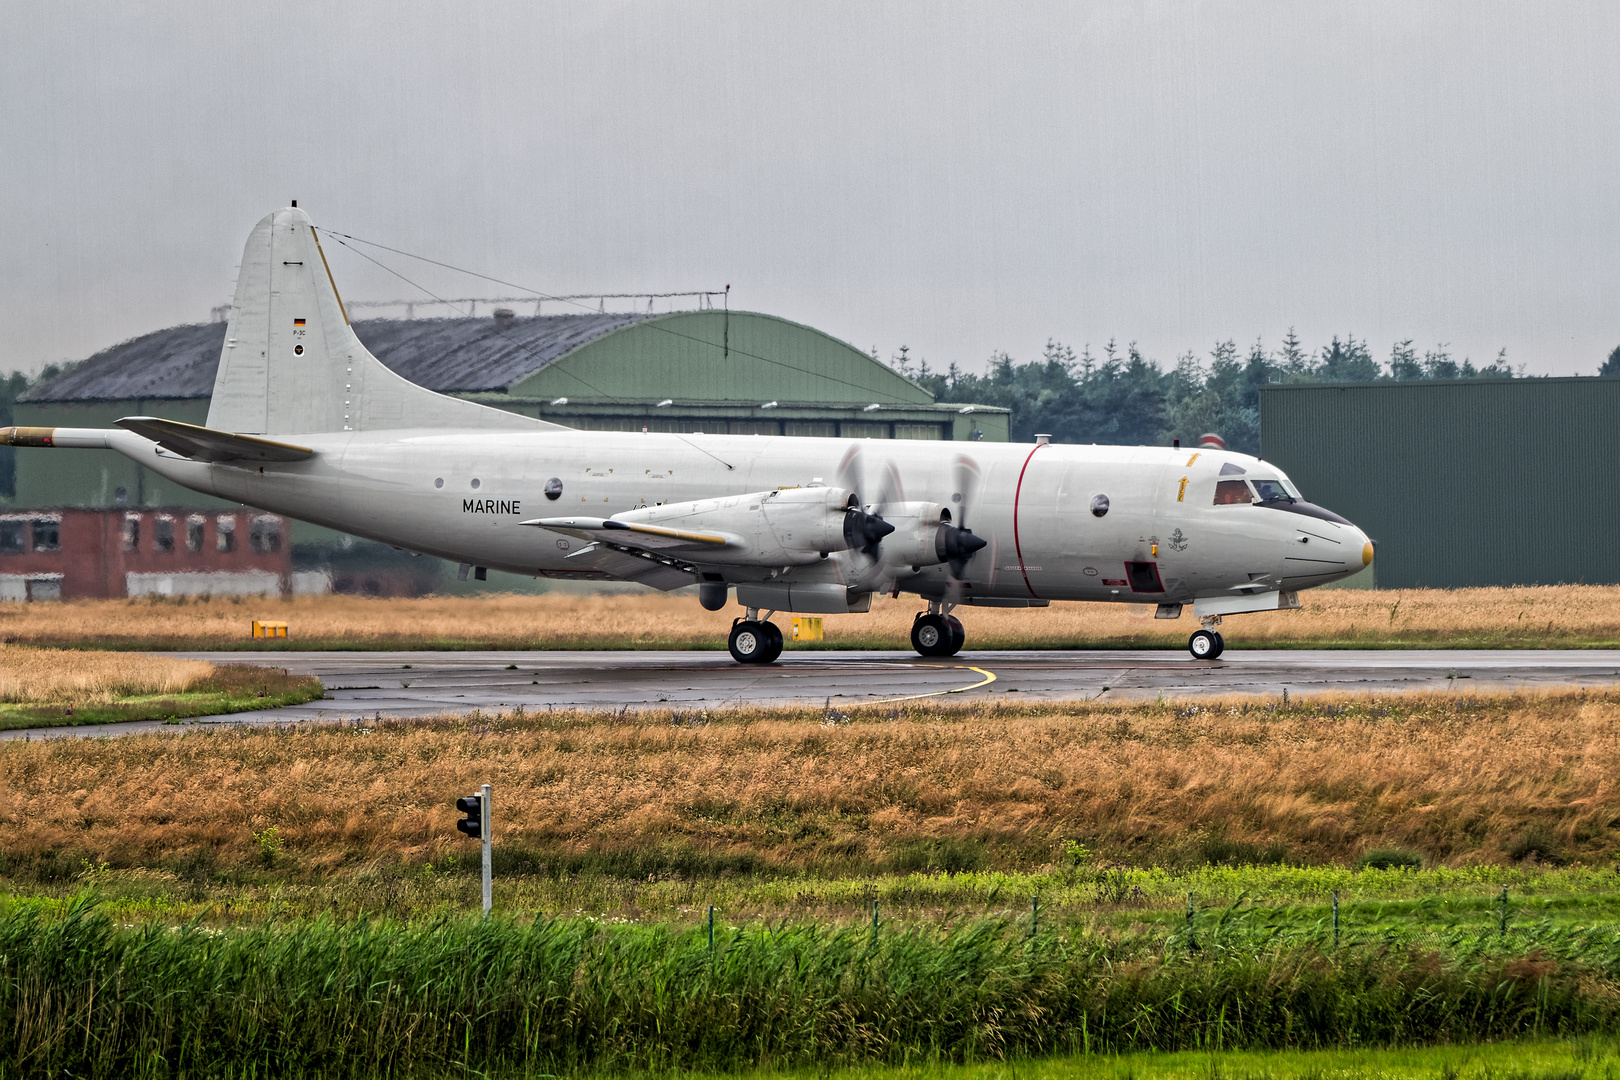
[959, 178]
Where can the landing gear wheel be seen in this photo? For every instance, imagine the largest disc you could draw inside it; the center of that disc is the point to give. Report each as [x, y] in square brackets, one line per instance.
[1220, 645]
[958, 634]
[750, 642]
[774, 633]
[1204, 645]
[931, 635]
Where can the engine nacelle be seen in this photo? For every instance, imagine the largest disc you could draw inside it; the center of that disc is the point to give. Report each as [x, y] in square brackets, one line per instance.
[915, 541]
[788, 526]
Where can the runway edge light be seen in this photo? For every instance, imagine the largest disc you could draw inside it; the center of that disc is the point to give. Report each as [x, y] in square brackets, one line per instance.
[477, 809]
[473, 807]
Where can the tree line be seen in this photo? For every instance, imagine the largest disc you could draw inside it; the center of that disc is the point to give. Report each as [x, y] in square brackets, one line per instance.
[1121, 396]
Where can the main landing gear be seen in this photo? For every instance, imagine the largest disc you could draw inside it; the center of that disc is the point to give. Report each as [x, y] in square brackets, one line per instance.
[1207, 644]
[754, 640]
[936, 632]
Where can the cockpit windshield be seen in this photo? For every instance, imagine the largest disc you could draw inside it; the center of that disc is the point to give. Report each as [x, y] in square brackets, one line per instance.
[1270, 490]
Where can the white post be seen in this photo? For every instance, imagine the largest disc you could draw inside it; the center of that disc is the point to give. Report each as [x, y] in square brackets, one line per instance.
[484, 822]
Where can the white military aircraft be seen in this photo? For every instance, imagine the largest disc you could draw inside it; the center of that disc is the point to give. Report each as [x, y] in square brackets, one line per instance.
[305, 422]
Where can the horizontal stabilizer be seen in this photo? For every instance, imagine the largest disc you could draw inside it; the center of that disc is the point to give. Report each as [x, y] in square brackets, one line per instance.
[633, 534]
[206, 444]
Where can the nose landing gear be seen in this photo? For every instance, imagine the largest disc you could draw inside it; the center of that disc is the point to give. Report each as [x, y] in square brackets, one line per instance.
[754, 640]
[1207, 644]
[936, 632]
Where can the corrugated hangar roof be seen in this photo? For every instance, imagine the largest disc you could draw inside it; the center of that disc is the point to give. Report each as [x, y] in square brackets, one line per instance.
[447, 355]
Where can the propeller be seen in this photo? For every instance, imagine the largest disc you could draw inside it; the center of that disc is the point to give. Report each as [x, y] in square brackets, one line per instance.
[864, 526]
[956, 543]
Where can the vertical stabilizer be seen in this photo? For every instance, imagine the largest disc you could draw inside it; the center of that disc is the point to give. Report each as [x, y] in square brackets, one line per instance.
[292, 365]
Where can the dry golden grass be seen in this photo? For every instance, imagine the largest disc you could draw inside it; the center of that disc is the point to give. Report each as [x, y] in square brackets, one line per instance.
[29, 675]
[1564, 615]
[1460, 778]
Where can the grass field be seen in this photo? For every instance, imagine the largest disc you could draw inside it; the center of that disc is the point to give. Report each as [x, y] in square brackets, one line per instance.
[1458, 779]
[1121, 890]
[41, 687]
[1564, 616]
[558, 996]
[1574, 1059]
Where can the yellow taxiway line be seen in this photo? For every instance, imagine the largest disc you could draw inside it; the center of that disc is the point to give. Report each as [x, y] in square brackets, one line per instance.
[989, 677]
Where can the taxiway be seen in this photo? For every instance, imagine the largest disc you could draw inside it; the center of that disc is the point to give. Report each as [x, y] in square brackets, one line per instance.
[373, 684]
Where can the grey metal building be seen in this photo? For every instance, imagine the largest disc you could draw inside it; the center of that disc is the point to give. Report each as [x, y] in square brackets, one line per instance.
[1477, 482]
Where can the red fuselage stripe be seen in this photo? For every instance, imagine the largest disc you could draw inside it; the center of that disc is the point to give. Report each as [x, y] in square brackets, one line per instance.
[1017, 493]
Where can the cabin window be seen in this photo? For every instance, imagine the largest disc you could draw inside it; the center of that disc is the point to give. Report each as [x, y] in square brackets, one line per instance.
[47, 534]
[163, 535]
[1270, 489]
[1232, 493]
[11, 538]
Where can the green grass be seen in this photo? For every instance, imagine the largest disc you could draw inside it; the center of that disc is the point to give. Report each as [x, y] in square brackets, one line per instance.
[1412, 902]
[89, 997]
[233, 688]
[203, 970]
[1574, 1059]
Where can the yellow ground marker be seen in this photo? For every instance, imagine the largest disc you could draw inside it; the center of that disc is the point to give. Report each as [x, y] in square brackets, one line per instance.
[989, 677]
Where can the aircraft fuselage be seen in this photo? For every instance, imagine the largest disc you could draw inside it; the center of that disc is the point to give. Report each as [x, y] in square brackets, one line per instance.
[462, 496]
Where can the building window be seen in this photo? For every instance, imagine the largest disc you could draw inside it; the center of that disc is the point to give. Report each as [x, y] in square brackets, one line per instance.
[194, 534]
[859, 429]
[265, 536]
[163, 535]
[225, 532]
[918, 431]
[825, 429]
[132, 531]
[11, 538]
[47, 534]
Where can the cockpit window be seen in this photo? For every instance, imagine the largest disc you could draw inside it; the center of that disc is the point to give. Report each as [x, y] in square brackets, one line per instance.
[1268, 490]
[1232, 493]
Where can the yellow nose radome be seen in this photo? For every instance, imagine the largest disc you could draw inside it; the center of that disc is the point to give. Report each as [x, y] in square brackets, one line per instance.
[1366, 553]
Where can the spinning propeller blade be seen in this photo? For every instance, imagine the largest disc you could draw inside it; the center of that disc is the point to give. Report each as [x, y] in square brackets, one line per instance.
[957, 542]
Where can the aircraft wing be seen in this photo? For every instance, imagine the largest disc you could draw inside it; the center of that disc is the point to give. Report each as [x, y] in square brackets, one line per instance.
[631, 564]
[207, 444]
[636, 535]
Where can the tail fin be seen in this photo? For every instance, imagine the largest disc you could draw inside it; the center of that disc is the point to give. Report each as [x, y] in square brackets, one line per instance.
[292, 365]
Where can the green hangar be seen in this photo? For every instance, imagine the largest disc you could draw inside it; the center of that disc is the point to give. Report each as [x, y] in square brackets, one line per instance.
[1466, 482]
[739, 373]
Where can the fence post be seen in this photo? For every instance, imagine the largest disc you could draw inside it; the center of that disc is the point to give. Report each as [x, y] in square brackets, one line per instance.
[1035, 916]
[1335, 918]
[1191, 943]
[711, 928]
[874, 923]
[1503, 931]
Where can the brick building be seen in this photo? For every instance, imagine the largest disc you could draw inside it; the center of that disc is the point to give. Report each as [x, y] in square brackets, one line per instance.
[81, 553]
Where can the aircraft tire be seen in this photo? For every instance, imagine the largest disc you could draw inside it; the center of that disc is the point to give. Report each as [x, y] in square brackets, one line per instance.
[1220, 646]
[750, 642]
[958, 634]
[931, 635]
[1203, 645]
[774, 632]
